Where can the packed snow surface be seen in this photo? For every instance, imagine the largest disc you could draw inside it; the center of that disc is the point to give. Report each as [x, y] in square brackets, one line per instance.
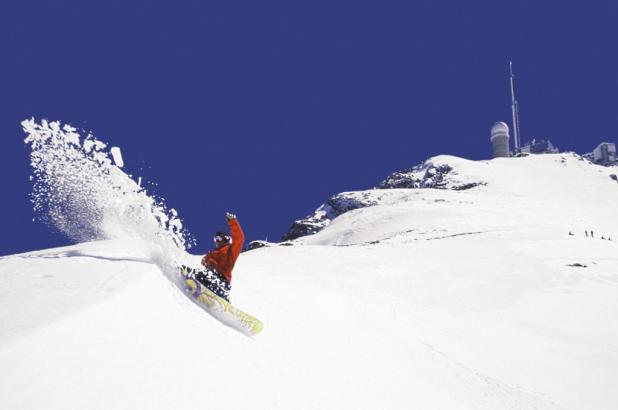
[430, 299]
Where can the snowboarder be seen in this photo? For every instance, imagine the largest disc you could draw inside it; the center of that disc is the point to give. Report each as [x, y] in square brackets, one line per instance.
[220, 261]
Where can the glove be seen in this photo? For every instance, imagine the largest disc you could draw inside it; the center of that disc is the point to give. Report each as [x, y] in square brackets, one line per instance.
[230, 216]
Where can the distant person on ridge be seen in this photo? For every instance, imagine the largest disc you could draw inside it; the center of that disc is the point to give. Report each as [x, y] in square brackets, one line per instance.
[220, 261]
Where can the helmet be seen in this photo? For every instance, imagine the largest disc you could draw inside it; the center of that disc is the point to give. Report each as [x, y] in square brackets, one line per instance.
[222, 238]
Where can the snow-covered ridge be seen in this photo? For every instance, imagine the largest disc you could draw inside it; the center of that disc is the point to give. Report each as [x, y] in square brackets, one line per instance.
[433, 173]
[492, 187]
[436, 172]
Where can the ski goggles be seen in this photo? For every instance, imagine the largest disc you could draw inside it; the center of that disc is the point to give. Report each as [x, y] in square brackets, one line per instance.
[221, 238]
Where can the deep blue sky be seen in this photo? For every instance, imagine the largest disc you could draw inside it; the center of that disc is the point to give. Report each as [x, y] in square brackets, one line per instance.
[268, 108]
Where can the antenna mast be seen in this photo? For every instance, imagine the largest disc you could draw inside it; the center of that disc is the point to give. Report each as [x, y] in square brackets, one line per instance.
[515, 109]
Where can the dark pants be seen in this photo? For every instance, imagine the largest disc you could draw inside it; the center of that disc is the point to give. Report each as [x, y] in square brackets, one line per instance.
[213, 280]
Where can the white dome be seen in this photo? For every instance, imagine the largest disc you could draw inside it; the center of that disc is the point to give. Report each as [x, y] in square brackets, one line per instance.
[500, 127]
[500, 139]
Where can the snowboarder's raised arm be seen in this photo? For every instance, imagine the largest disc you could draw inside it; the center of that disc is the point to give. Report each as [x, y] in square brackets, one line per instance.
[238, 236]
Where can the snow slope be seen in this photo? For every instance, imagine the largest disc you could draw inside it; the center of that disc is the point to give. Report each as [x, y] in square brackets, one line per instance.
[431, 299]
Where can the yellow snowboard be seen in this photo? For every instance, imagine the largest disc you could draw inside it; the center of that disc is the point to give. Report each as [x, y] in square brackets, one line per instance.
[219, 307]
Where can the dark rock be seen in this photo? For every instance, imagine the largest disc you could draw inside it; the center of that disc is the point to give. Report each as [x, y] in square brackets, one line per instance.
[335, 206]
[578, 265]
[427, 175]
[257, 244]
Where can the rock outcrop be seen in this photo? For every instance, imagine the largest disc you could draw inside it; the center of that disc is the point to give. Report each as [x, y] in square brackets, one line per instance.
[429, 175]
[335, 206]
[435, 173]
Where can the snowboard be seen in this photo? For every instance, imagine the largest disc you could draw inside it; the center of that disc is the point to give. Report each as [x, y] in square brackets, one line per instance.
[218, 307]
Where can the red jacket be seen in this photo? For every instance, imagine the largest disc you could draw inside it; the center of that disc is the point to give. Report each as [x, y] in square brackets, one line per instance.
[223, 259]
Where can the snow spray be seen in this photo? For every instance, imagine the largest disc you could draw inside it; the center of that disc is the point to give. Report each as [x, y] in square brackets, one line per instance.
[80, 189]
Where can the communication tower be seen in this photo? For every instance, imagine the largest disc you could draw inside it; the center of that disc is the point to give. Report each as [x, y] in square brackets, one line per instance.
[515, 109]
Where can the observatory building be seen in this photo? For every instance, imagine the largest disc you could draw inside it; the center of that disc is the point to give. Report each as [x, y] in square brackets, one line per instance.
[605, 153]
[500, 139]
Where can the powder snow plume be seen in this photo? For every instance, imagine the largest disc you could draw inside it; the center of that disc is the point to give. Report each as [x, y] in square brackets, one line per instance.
[78, 190]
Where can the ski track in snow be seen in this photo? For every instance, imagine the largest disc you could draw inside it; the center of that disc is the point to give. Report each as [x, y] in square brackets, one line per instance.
[495, 393]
